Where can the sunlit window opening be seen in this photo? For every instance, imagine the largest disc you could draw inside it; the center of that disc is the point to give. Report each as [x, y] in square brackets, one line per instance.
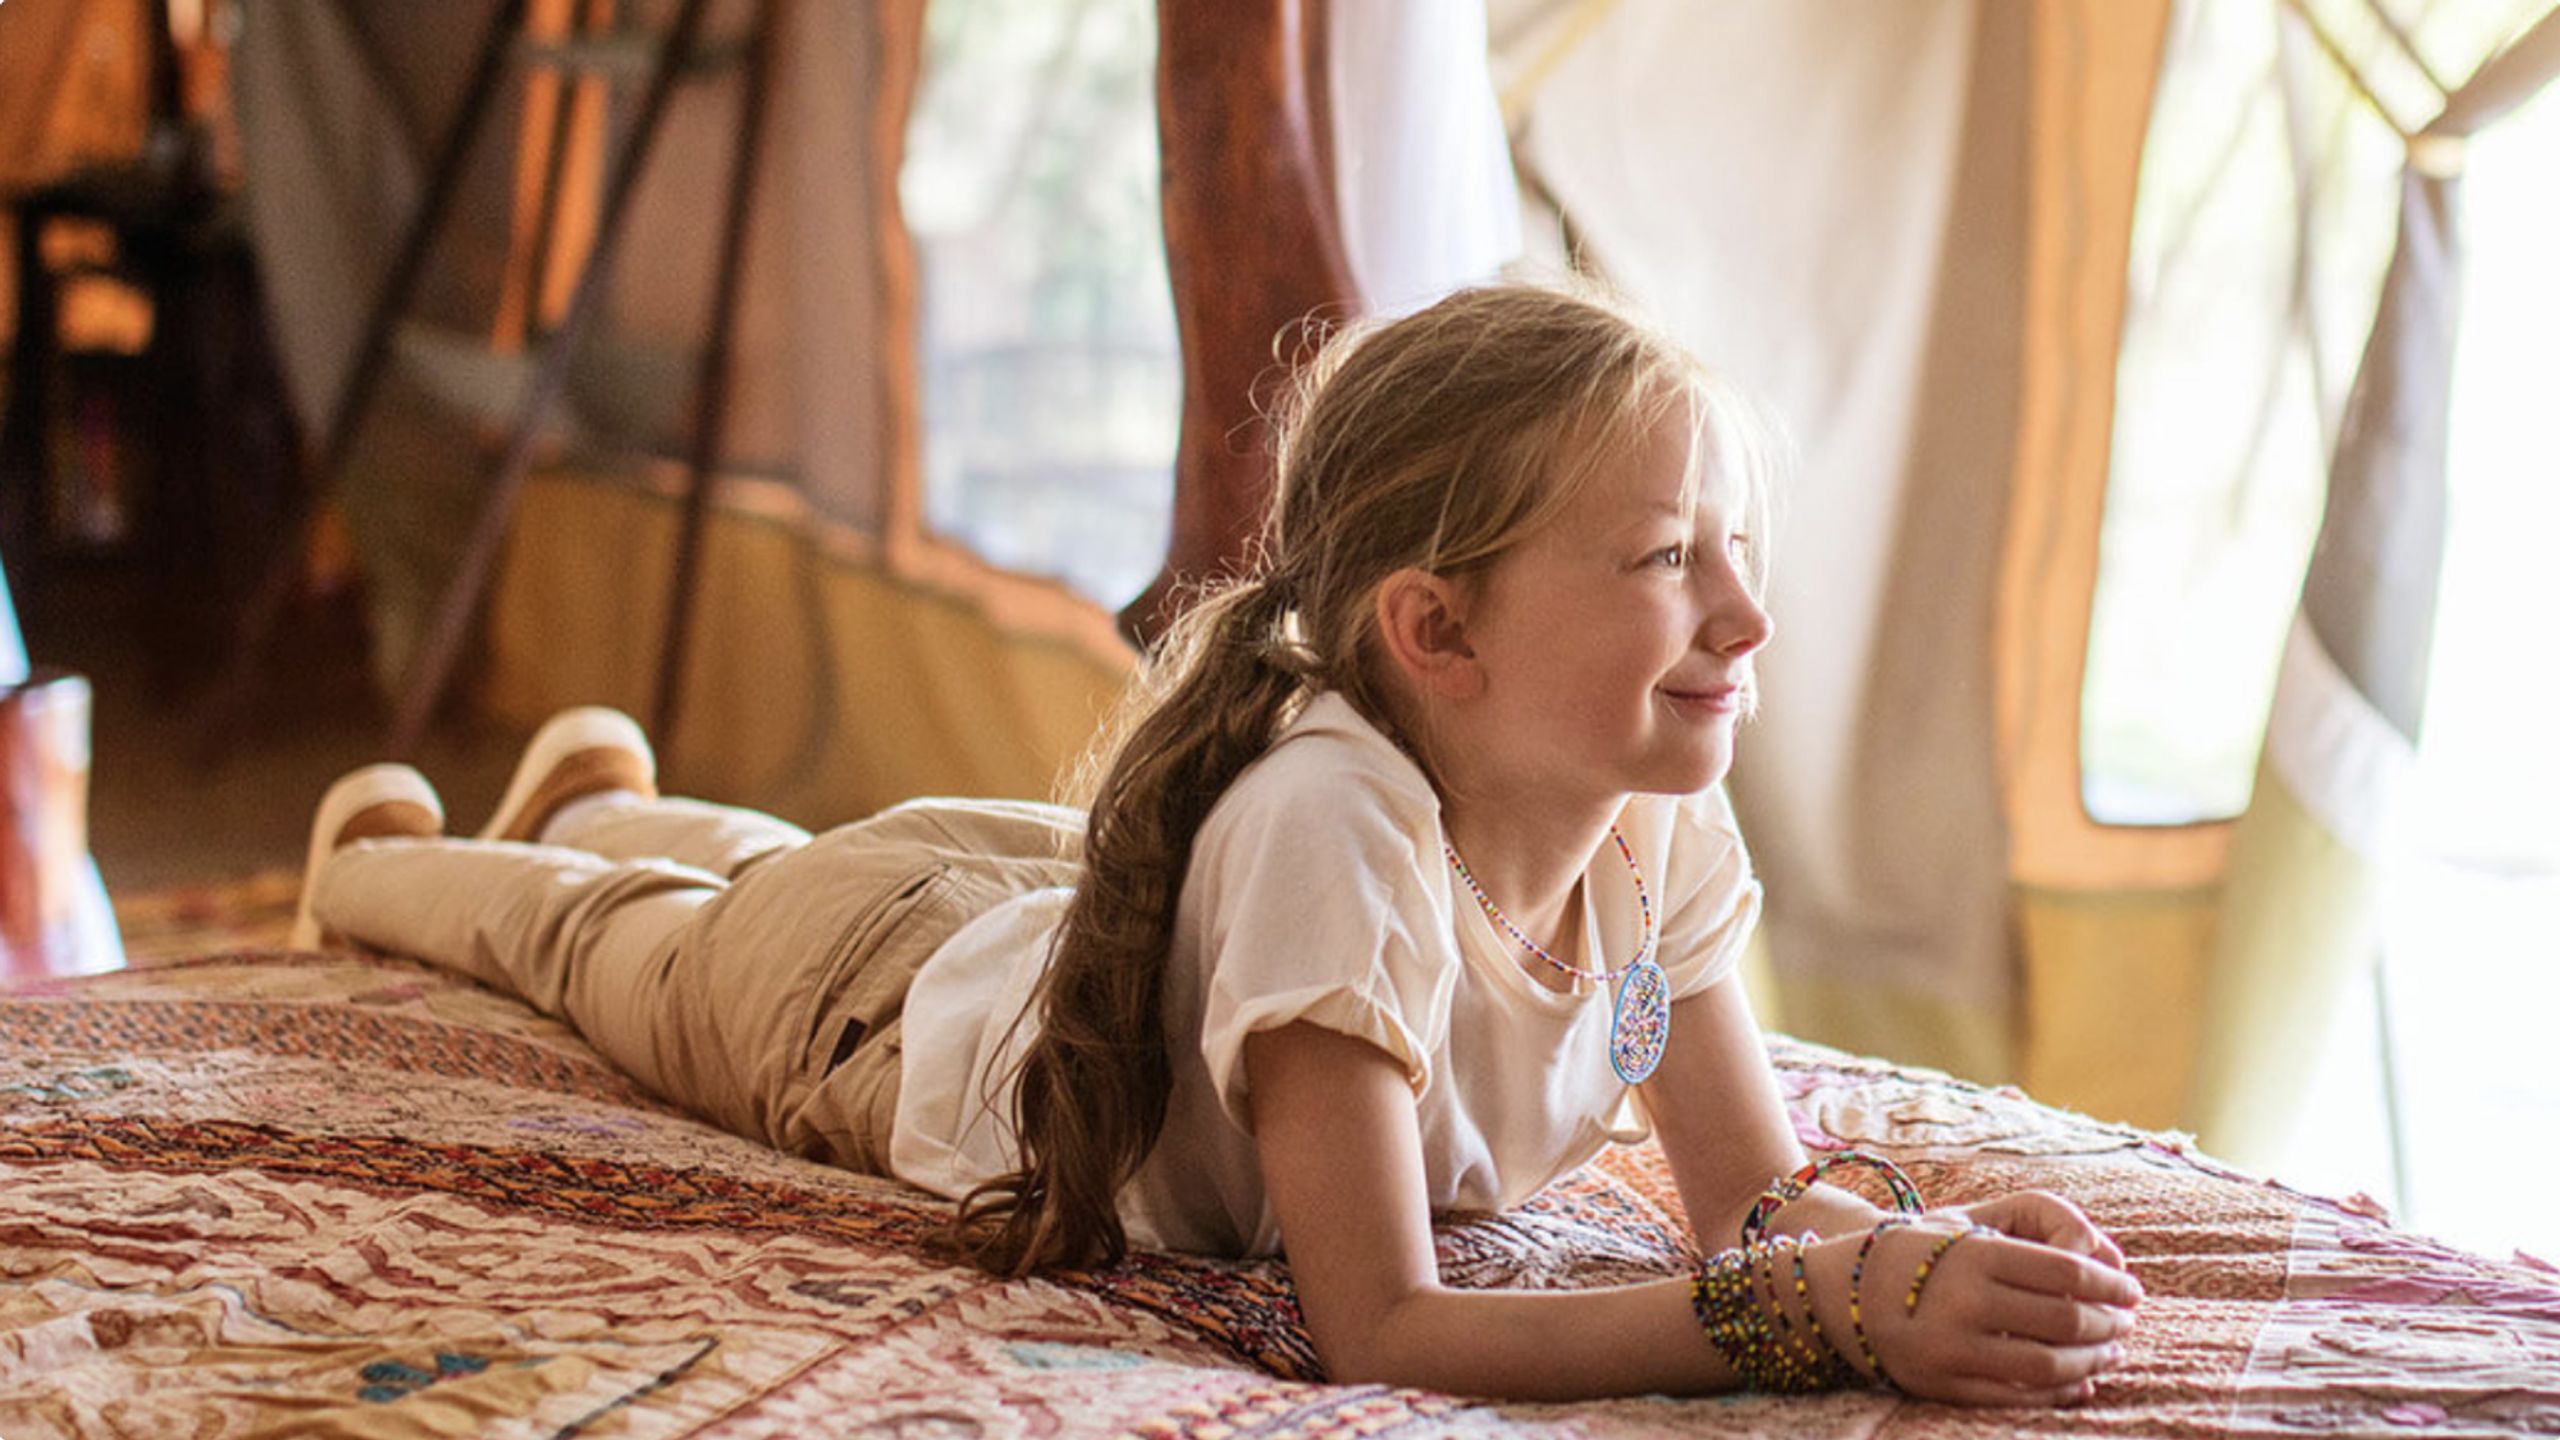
[2260, 235]
[1052, 383]
[2266, 217]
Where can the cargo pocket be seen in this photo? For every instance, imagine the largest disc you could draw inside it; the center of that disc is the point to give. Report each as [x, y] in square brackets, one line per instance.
[867, 976]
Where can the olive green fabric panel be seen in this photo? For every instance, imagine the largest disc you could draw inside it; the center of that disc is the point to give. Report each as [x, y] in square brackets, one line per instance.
[1910, 1024]
[2298, 926]
[2114, 993]
[819, 686]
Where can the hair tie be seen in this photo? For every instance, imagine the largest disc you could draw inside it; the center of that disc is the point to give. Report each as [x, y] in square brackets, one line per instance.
[1273, 601]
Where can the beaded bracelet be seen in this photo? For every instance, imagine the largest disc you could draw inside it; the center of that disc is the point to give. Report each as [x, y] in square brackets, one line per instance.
[1720, 1297]
[1929, 1266]
[1730, 1314]
[1805, 1367]
[1857, 1302]
[1748, 1330]
[1906, 1196]
[1830, 1364]
[1788, 1374]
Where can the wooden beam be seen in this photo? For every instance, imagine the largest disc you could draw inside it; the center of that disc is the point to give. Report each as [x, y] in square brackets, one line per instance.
[1253, 245]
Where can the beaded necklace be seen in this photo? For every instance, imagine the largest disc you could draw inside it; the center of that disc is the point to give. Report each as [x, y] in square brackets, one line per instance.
[1640, 1015]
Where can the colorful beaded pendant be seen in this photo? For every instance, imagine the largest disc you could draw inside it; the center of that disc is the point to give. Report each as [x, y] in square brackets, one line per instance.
[1640, 1022]
[1640, 1014]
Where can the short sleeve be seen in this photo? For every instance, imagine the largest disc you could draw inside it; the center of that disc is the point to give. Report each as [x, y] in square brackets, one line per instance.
[1711, 900]
[1311, 904]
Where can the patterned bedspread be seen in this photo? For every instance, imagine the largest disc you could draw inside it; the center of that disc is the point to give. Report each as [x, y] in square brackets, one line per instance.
[263, 1195]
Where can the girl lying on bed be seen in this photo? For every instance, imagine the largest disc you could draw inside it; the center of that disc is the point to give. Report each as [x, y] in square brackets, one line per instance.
[1407, 886]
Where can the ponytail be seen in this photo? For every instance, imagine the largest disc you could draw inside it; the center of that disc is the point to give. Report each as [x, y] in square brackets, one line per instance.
[1094, 1083]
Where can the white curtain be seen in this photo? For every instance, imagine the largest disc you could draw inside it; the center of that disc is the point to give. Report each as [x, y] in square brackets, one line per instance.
[1823, 200]
[1422, 172]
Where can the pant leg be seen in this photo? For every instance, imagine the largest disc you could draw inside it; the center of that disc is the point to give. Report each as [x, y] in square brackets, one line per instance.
[722, 839]
[732, 1000]
[577, 936]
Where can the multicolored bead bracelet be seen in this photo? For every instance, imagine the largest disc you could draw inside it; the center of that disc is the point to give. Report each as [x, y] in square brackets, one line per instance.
[1750, 1327]
[1857, 1297]
[1929, 1266]
[1906, 1196]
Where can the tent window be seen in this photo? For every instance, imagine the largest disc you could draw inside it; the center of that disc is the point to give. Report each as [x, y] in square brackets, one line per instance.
[2260, 232]
[1052, 384]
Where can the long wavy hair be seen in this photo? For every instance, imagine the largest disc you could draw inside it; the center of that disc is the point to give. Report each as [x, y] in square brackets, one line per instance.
[1435, 441]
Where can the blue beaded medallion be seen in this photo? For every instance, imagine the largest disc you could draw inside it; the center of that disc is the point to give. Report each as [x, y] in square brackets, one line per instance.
[1640, 1022]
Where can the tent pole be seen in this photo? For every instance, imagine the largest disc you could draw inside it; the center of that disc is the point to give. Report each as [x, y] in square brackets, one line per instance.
[223, 709]
[432, 668]
[546, 210]
[713, 377]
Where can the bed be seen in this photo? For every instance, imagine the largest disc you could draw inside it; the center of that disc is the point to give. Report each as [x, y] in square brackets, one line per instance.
[268, 1193]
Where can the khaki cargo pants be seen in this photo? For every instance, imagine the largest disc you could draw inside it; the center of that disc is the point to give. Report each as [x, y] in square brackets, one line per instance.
[726, 960]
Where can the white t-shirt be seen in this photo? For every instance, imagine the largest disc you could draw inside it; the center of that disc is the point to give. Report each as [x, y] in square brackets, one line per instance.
[1318, 891]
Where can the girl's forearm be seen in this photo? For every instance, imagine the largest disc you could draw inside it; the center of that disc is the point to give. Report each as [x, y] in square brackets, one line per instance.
[1543, 1345]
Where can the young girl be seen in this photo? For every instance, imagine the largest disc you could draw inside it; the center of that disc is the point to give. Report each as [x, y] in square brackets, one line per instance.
[1407, 887]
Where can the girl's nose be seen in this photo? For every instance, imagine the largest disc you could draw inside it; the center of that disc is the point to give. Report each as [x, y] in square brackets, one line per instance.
[1737, 624]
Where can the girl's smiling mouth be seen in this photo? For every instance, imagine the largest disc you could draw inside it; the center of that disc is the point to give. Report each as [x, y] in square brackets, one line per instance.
[1704, 699]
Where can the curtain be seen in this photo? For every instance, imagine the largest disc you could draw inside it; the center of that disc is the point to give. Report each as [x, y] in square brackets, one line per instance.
[2313, 854]
[1422, 170]
[819, 583]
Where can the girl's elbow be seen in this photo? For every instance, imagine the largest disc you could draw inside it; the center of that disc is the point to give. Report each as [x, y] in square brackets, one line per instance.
[1377, 1347]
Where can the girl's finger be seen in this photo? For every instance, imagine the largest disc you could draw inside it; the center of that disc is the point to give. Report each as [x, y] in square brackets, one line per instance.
[2031, 1365]
[2109, 1252]
[2053, 1319]
[2043, 1217]
[2029, 1266]
[1971, 1390]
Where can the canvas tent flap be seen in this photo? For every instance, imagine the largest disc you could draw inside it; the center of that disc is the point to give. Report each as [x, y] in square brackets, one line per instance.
[1867, 782]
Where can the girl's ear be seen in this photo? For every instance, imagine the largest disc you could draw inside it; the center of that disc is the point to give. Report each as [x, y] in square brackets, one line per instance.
[1422, 619]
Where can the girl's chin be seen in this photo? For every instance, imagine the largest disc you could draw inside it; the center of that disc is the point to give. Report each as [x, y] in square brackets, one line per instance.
[1694, 773]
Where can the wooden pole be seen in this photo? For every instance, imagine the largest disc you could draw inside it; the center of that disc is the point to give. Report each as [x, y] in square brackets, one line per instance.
[713, 379]
[1253, 244]
[432, 668]
[224, 708]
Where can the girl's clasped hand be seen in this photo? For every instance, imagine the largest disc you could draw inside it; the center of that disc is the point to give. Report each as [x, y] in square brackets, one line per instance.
[2015, 1301]
[2027, 1301]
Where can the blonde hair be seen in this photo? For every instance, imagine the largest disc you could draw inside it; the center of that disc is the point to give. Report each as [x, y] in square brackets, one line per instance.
[1437, 441]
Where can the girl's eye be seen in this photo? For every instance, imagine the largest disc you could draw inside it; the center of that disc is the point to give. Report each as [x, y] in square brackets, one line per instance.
[1669, 557]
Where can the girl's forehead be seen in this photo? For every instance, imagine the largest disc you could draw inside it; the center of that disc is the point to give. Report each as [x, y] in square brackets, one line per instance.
[1674, 466]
